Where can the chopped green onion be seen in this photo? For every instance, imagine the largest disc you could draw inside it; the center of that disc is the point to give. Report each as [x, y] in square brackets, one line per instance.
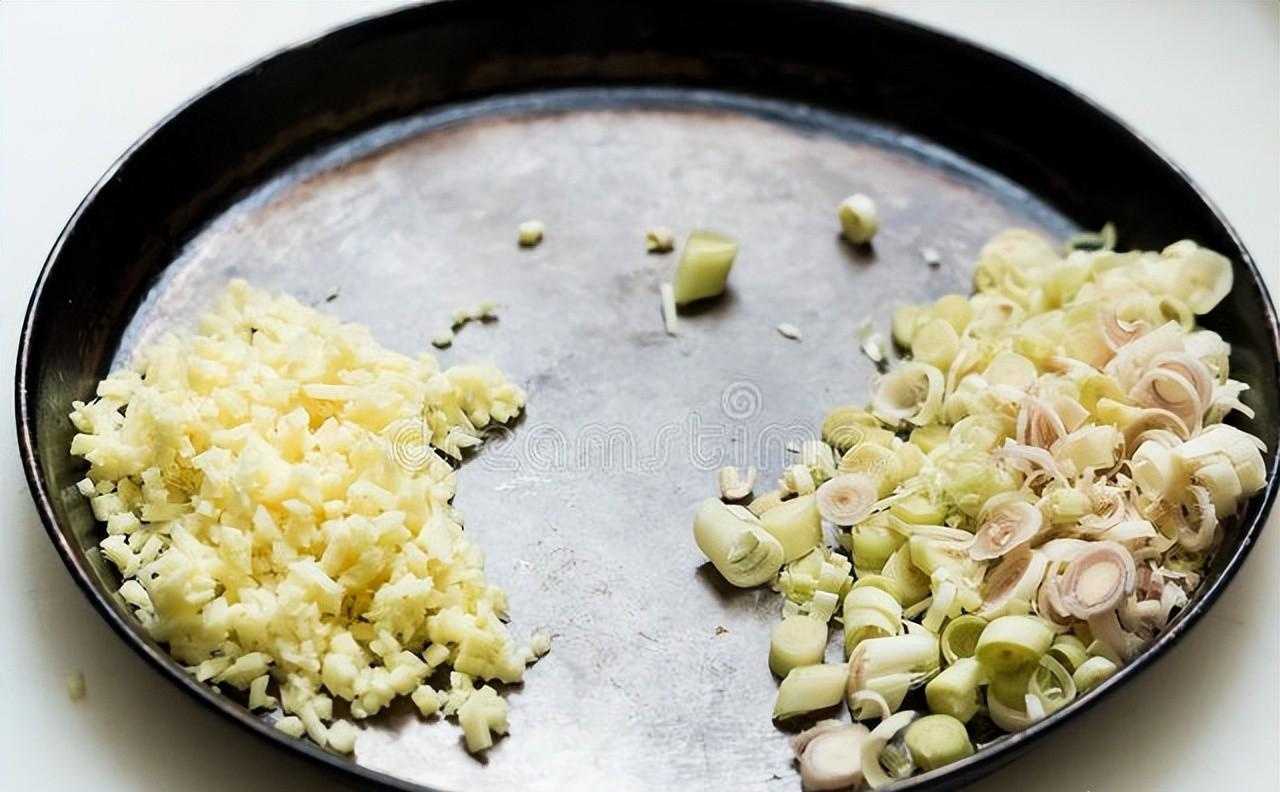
[1069, 651]
[872, 543]
[919, 509]
[1013, 642]
[955, 691]
[831, 759]
[935, 343]
[869, 613]
[937, 740]
[927, 438]
[876, 463]
[847, 498]
[1010, 687]
[872, 771]
[905, 320]
[910, 584]
[891, 666]
[795, 524]
[1093, 672]
[960, 637]
[810, 688]
[704, 266]
[845, 427]
[896, 758]
[1007, 717]
[796, 641]
[1052, 684]
[744, 553]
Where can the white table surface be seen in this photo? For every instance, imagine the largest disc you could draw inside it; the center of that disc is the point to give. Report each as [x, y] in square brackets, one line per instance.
[79, 82]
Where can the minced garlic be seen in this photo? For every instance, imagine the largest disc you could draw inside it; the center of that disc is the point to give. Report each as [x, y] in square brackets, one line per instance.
[277, 500]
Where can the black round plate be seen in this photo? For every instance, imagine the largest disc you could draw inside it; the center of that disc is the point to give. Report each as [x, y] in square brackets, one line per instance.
[439, 128]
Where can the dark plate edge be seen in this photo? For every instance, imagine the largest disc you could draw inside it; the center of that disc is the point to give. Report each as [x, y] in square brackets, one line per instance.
[978, 765]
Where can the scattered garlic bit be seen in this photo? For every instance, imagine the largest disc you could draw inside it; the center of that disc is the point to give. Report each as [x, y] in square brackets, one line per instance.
[258, 698]
[858, 218]
[279, 474]
[342, 736]
[1050, 468]
[704, 266]
[789, 330]
[75, 686]
[291, 725]
[486, 309]
[846, 499]
[427, 700]
[540, 643]
[733, 485]
[931, 257]
[870, 342]
[481, 716]
[659, 239]
[669, 316]
[1105, 239]
[530, 233]
[480, 312]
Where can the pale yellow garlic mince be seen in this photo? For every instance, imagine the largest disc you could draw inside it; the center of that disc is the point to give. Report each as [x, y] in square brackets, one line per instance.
[277, 503]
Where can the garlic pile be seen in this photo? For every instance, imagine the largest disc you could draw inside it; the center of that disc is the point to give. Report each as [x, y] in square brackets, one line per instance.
[277, 502]
[1022, 506]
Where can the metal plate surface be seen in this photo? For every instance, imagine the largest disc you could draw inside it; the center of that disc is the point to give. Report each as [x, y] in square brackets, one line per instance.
[389, 162]
[657, 679]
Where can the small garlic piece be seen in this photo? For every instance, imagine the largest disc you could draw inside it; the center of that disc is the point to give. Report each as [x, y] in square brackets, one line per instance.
[858, 218]
[76, 686]
[669, 316]
[530, 233]
[659, 239]
[733, 485]
[873, 349]
[442, 339]
[291, 725]
[788, 330]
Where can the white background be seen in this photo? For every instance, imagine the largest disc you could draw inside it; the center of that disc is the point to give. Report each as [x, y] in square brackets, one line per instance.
[79, 82]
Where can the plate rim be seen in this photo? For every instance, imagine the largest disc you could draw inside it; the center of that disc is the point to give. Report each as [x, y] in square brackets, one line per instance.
[980, 764]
